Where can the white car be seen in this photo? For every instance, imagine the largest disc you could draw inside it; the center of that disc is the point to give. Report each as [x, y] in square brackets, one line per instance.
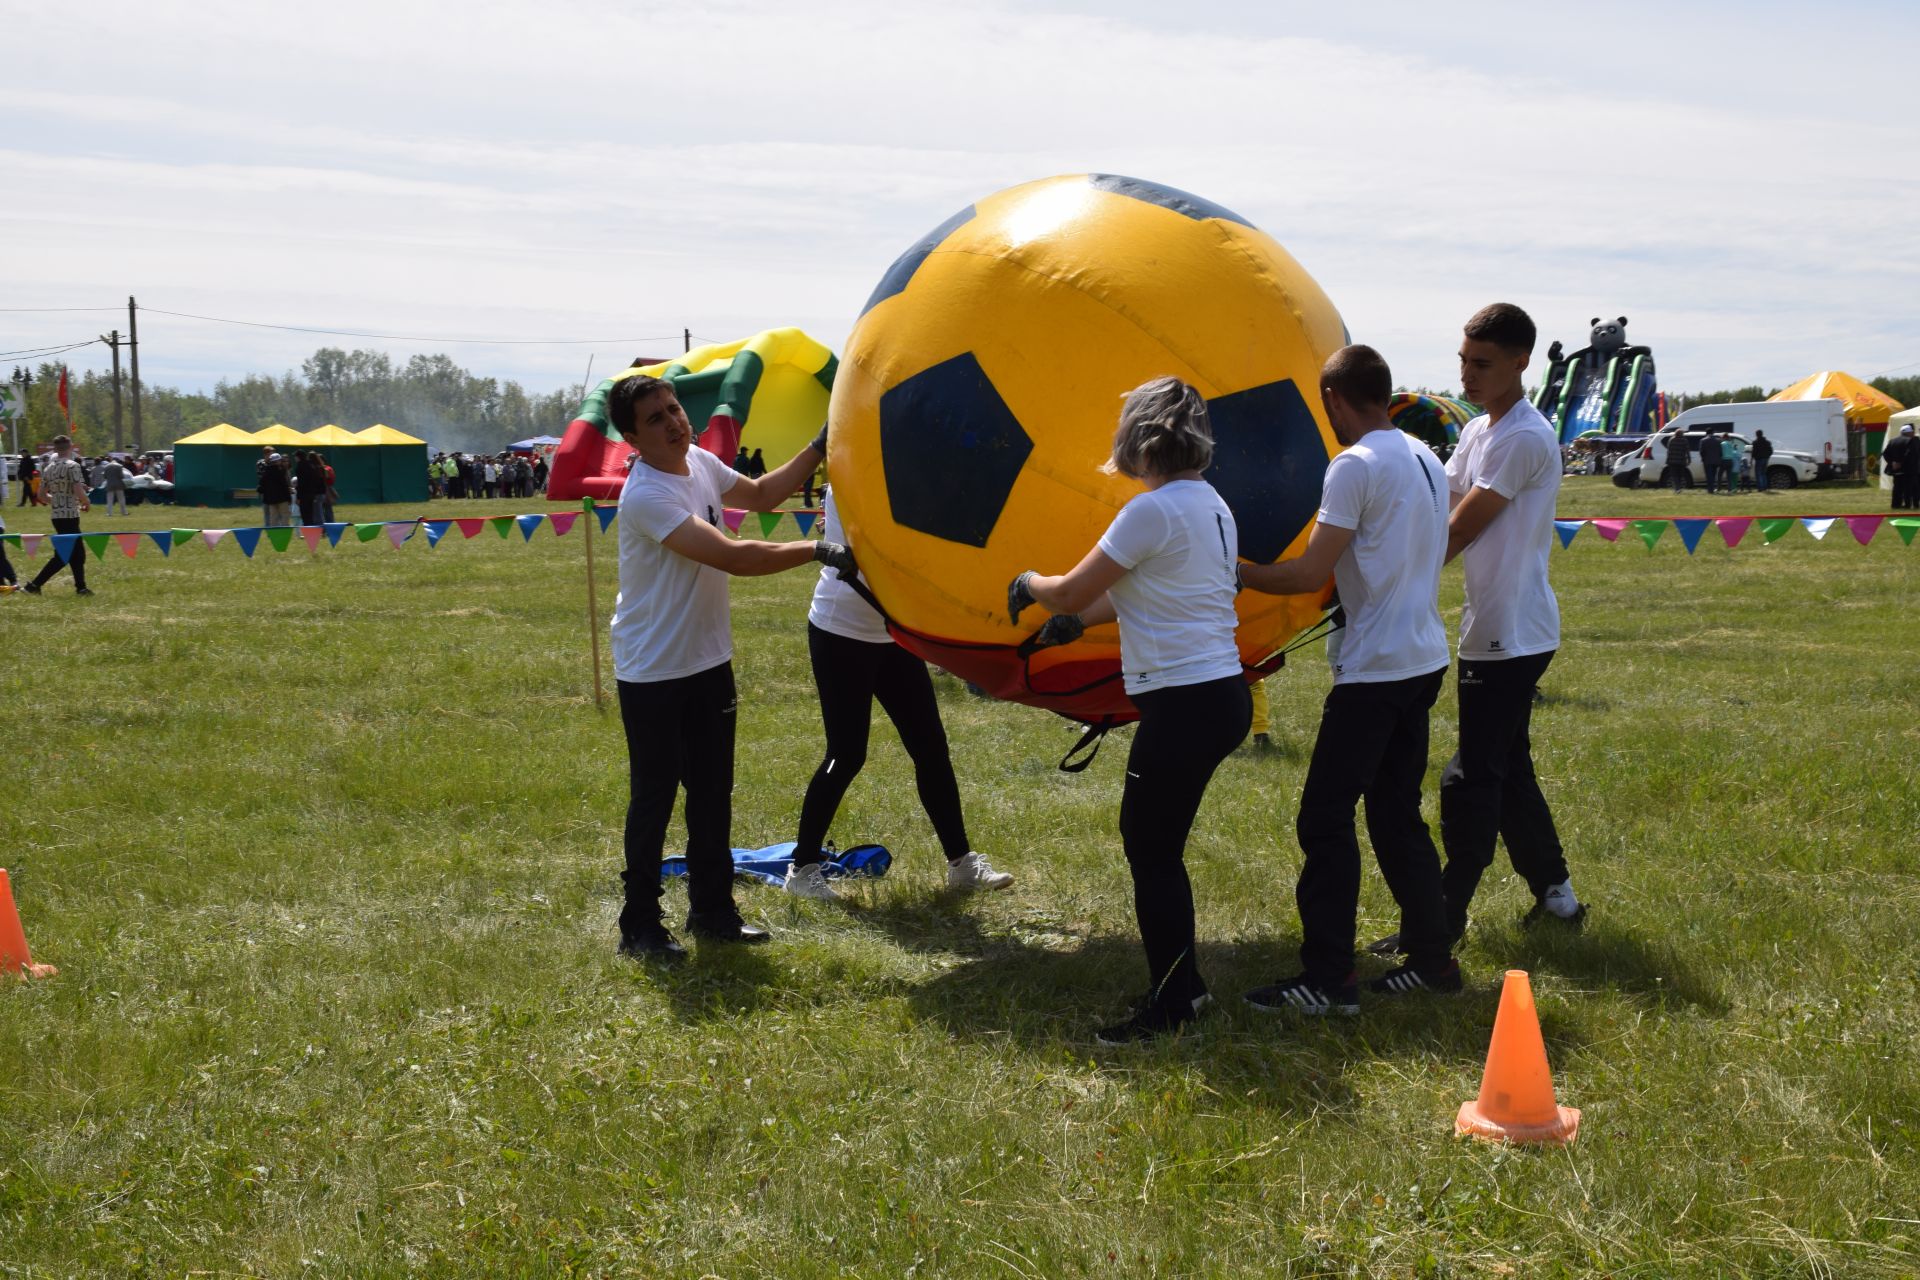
[1647, 465]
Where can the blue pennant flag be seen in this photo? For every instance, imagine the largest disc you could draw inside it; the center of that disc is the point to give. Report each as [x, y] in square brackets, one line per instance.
[805, 520]
[527, 525]
[248, 539]
[63, 544]
[1566, 529]
[1690, 532]
[163, 539]
[436, 530]
[606, 515]
[334, 531]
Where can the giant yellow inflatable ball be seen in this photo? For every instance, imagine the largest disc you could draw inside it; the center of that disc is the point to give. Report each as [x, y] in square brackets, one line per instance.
[979, 392]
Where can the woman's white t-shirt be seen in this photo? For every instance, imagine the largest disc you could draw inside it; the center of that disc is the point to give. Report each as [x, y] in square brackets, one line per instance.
[670, 619]
[837, 608]
[1391, 491]
[1175, 605]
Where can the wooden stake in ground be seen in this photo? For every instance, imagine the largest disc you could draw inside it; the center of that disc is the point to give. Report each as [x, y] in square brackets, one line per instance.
[593, 609]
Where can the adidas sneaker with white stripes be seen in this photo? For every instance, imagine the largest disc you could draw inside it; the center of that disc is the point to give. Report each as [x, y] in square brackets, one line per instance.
[1302, 994]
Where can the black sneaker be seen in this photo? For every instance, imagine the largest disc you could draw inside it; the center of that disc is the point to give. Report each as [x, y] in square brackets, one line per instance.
[32, 588]
[1301, 994]
[1154, 1018]
[725, 928]
[652, 942]
[1540, 915]
[1390, 945]
[1407, 980]
[82, 591]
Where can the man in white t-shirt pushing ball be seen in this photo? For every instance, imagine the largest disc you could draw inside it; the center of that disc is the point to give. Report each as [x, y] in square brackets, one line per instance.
[673, 653]
[1381, 533]
[1504, 479]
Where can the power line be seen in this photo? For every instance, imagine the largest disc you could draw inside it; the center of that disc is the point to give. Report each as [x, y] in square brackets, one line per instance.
[411, 337]
[59, 308]
[30, 353]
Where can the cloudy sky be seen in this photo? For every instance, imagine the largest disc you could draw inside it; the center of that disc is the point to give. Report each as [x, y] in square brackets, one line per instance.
[1742, 181]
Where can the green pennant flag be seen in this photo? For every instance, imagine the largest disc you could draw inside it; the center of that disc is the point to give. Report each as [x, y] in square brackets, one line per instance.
[280, 535]
[183, 536]
[368, 532]
[1649, 531]
[502, 525]
[586, 505]
[1906, 526]
[1773, 530]
[96, 542]
[769, 521]
[14, 538]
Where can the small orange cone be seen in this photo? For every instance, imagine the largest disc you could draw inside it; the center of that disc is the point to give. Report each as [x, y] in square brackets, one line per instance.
[1516, 1093]
[14, 956]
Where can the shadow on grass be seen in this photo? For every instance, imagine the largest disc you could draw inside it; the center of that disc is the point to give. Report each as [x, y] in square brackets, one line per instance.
[1577, 701]
[1606, 958]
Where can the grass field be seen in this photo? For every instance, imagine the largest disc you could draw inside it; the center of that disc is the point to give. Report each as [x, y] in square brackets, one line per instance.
[326, 848]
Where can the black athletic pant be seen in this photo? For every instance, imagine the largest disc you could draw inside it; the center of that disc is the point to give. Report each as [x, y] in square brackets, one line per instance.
[6, 566]
[1184, 734]
[679, 733]
[76, 560]
[1488, 789]
[313, 508]
[1373, 748]
[850, 675]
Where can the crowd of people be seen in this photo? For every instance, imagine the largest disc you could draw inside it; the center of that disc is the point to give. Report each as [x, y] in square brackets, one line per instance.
[1167, 574]
[502, 475]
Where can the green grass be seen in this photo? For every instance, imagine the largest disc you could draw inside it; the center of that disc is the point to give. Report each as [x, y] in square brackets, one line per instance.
[327, 849]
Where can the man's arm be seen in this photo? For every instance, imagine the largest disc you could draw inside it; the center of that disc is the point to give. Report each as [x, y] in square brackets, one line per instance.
[1307, 571]
[775, 487]
[702, 543]
[1471, 516]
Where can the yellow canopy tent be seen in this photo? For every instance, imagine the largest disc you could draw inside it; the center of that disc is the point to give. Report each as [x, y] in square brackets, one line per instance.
[210, 466]
[403, 462]
[1867, 410]
[218, 433]
[332, 437]
[280, 434]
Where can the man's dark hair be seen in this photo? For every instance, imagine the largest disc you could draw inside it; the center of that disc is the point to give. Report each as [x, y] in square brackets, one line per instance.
[628, 392]
[1360, 376]
[1505, 326]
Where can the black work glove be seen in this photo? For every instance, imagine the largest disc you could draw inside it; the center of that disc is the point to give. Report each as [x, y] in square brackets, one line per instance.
[819, 444]
[1020, 596]
[836, 555]
[1061, 628]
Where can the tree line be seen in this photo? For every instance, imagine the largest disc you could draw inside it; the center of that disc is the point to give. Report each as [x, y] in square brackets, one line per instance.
[428, 396]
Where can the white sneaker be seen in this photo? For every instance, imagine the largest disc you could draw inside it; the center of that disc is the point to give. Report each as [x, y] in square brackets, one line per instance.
[809, 881]
[975, 872]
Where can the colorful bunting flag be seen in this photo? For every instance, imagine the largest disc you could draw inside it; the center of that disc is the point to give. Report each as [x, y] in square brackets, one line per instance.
[1864, 527]
[163, 539]
[1817, 527]
[280, 537]
[1565, 528]
[769, 520]
[96, 542]
[805, 520]
[1905, 526]
[1690, 532]
[527, 525]
[502, 525]
[1734, 528]
[1649, 531]
[733, 518]
[63, 545]
[129, 543]
[1610, 529]
[436, 530]
[212, 537]
[181, 537]
[30, 543]
[470, 527]
[606, 515]
[1774, 530]
[248, 539]
[334, 530]
[14, 538]
[398, 531]
[311, 535]
[562, 522]
[368, 532]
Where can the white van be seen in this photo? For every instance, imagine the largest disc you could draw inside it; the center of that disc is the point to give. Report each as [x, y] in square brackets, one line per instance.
[1817, 428]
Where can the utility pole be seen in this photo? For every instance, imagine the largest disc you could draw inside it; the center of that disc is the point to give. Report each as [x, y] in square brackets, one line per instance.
[133, 348]
[686, 339]
[22, 378]
[113, 341]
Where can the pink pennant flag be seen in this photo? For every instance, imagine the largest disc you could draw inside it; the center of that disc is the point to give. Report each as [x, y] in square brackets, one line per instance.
[129, 542]
[212, 537]
[1734, 528]
[1864, 527]
[1611, 529]
[312, 533]
[30, 543]
[470, 527]
[733, 518]
[562, 521]
[398, 532]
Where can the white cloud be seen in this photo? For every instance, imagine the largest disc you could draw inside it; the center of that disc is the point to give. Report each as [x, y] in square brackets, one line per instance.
[579, 169]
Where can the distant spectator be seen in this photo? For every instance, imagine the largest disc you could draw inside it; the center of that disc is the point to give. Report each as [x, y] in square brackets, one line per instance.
[63, 489]
[1762, 450]
[1677, 461]
[310, 486]
[741, 462]
[275, 487]
[1900, 458]
[114, 477]
[540, 475]
[7, 577]
[29, 479]
[756, 466]
[1710, 459]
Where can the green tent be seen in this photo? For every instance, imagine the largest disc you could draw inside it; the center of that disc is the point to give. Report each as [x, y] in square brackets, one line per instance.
[356, 468]
[210, 467]
[402, 463]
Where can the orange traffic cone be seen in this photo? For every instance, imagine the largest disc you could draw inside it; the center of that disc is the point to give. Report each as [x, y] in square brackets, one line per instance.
[1516, 1092]
[14, 956]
